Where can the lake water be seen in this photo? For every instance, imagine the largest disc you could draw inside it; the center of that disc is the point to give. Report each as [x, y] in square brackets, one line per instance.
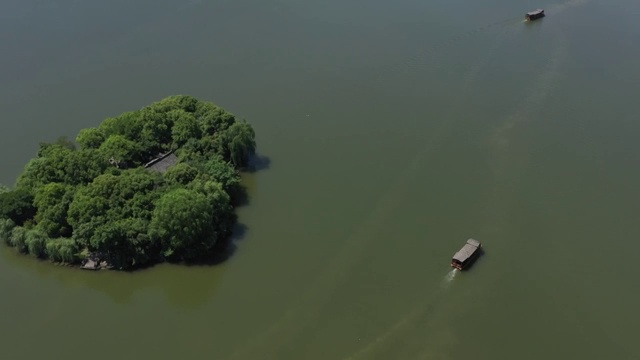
[395, 130]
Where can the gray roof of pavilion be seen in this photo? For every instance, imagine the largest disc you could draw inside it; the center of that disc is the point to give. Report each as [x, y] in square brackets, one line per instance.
[162, 163]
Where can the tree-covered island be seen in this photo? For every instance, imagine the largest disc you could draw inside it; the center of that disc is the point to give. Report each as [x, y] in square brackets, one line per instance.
[156, 184]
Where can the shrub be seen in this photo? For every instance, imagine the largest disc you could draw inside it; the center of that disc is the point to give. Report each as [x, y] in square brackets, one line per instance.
[6, 226]
[36, 241]
[62, 250]
[17, 239]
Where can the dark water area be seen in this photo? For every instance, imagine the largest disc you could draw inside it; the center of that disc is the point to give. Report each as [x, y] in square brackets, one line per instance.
[394, 132]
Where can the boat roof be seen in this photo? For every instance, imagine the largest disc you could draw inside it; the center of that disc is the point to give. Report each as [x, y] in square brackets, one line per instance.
[473, 242]
[467, 250]
[536, 12]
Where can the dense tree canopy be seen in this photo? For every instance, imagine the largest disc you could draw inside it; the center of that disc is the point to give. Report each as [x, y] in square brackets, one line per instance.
[98, 199]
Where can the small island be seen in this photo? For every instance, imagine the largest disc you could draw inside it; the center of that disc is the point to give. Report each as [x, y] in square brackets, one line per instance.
[152, 185]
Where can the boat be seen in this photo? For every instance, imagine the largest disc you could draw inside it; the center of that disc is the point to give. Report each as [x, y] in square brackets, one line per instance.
[537, 14]
[465, 256]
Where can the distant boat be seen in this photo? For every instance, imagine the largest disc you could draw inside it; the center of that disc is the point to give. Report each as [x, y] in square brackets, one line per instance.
[539, 13]
[467, 254]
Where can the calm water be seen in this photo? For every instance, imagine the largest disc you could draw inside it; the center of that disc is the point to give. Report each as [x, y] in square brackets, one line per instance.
[395, 131]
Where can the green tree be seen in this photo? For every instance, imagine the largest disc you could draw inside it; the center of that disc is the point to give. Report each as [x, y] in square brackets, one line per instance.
[90, 138]
[176, 102]
[43, 170]
[135, 193]
[213, 119]
[128, 124]
[105, 213]
[17, 205]
[84, 208]
[181, 174]
[83, 166]
[156, 132]
[203, 148]
[241, 143]
[125, 242]
[17, 239]
[57, 163]
[36, 242]
[173, 211]
[217, 170]
[121, 151]
[84, 232]
[6, 226]
[52, 201]
[185, 127]
[61, 143]
[223, 216]
[62, 250]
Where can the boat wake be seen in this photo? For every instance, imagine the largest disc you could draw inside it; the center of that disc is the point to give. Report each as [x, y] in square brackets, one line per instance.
[446, 281]
[417, 315]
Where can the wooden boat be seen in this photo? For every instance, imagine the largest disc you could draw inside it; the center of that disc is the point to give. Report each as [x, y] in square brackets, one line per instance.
[537, 14]
[465, 256]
